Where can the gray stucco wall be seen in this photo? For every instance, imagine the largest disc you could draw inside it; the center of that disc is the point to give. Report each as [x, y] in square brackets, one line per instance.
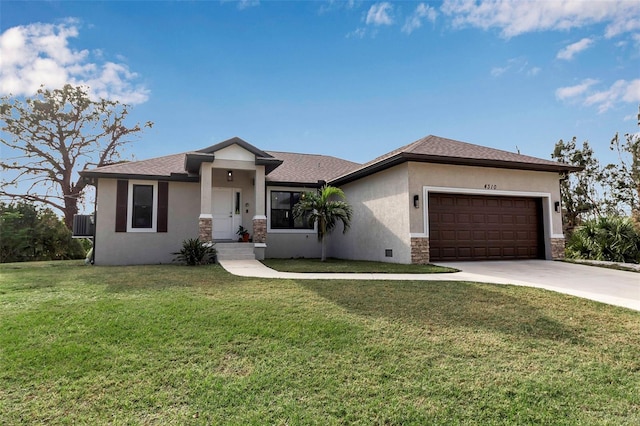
[292, 245]
[487, 181]
[126, 248]
[380, 219]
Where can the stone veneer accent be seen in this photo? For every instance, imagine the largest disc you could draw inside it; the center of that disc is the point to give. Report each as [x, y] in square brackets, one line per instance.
[419, 250]
[259, 230]
[205, 229]
[557, 248]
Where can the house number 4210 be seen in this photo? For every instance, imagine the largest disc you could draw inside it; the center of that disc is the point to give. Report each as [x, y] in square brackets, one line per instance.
[490, 186]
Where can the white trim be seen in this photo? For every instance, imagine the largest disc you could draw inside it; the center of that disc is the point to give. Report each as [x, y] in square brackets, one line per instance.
[418, 235]
[449, 190]
[154, 211]
[557, 236]
[205, 216]
[260, 245]
[313, 230]
[259, 217]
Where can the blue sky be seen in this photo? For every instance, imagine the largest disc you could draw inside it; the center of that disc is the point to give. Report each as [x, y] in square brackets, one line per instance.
[352, 79]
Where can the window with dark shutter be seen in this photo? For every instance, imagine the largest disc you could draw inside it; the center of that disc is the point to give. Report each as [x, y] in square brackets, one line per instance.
[122, 199]
[163, 206]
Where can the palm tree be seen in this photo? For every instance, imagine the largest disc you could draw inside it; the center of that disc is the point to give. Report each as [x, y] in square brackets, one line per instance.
[321, 207]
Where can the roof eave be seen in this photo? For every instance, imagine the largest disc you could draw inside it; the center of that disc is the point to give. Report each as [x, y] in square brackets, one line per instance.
[177, 177]
[192, 161]
[270, 164]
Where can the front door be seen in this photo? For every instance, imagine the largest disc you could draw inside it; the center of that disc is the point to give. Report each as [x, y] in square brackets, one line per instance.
[226, 215]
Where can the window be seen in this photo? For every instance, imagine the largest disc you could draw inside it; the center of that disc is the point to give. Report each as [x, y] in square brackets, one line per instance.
[142, 212]
[142, 206]
[282, 203]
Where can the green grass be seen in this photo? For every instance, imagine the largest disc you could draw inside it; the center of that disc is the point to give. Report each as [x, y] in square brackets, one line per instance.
[351, 266]
[193, 345]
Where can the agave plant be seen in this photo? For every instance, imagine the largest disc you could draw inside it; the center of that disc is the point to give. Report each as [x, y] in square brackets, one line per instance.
[195, 252]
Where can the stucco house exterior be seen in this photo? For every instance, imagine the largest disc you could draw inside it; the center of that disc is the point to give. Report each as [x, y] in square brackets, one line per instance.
[435, 199]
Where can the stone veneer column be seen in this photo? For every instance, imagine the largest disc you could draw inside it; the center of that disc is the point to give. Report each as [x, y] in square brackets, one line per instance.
[419, 250]
[557, 248]
[205, 229]
[259, 229]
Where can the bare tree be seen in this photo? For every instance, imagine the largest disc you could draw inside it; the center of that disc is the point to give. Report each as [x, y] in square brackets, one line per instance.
[51, 137]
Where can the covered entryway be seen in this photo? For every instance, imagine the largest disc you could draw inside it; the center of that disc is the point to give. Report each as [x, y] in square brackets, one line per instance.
[226, 213]
[483, 227]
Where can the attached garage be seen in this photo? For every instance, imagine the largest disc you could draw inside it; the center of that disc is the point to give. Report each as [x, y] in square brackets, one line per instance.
[482, 227]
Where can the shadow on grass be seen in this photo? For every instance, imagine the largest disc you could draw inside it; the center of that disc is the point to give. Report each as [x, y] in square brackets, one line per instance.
[425, 303]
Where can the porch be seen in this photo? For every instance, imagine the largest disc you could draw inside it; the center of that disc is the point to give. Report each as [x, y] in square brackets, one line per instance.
[232, 191]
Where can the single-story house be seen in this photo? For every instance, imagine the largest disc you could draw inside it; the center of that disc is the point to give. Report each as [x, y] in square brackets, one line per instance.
[435, 199]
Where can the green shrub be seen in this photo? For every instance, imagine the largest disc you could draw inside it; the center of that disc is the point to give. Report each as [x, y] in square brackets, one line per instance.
[608, 238]
[196, 252]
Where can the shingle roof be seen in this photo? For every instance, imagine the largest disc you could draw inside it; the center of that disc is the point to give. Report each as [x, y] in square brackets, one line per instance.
[156, 167]
[436, 149]
[308, 168]
[311, 168]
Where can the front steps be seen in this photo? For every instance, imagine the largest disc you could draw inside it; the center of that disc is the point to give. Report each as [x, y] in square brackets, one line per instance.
[235, 251]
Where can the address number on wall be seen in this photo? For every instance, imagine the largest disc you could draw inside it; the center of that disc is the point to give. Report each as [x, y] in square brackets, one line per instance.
[490, 186]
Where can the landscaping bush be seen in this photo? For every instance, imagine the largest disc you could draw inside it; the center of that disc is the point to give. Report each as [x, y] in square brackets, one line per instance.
[195, 252]
[608, 238]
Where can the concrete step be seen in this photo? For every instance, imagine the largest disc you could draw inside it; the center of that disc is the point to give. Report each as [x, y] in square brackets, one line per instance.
[235, 251]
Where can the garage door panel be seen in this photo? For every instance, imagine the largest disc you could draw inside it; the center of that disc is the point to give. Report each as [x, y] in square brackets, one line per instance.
[464, 227]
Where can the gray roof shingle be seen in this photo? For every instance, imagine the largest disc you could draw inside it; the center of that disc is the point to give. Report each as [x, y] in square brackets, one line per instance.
[435, 149]
[308, 168]
[311, 168]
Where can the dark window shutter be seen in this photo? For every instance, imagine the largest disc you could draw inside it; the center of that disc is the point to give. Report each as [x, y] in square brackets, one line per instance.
[122, 199]
[163, 206]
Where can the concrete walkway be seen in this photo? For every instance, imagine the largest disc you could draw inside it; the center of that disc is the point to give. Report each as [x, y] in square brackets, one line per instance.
[614, 287]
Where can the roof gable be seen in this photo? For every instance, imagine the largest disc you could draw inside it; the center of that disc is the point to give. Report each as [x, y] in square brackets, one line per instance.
[235, 141]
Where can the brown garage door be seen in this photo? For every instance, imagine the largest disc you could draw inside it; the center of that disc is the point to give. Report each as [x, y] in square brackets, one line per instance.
[478, 227]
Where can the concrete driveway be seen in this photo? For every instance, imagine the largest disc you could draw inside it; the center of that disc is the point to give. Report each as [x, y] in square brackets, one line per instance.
[620, 288]
[615, 287]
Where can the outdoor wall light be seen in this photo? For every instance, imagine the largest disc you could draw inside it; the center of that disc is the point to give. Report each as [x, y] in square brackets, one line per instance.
[416, 201]
[556, 205]
[229, 175]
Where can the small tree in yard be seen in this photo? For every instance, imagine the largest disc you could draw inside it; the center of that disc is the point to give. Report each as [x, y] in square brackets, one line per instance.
[53, 135]
[323, 208]
[579, 190]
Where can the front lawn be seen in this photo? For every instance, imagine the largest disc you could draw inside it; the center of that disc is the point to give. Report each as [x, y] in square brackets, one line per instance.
[194, 345]
[349, 266]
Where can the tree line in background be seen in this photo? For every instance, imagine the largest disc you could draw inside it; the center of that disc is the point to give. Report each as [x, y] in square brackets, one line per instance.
[601, 203]
[29, 233]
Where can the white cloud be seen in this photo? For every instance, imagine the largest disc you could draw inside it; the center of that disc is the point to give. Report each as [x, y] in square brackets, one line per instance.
[534, 71]
[245, 4]
[571, 50]
[622, 91]
[39, 54]
[515, 17]
[517, 65]
[357, 33]
[379, 14]
[568, 92]
[414, 21]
